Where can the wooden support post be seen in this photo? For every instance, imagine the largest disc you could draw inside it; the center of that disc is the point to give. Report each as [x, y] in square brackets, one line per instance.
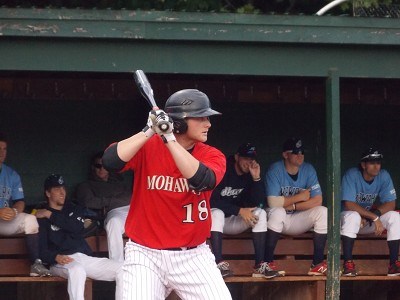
[333, 183]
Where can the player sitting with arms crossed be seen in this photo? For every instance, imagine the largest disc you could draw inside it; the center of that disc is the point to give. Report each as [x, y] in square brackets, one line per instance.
[107, 194]
[235, 207]
[362, 188]
[13, 220]
[169, 218]
[294, 197]
[63, 246]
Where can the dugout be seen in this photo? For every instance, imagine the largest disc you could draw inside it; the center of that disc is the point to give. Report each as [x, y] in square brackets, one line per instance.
[66, 86]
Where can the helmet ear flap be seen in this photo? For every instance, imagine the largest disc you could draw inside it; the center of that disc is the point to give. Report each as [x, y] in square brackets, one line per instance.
[180, 126]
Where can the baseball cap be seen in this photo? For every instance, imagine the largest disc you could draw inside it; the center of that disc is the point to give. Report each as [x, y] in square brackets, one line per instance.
[247, 150]
[53, 180]
[295, 145]
[371, 154]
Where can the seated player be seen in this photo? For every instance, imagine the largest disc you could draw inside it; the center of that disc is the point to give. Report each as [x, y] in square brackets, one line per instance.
[362, 187]
[295, 204]
[63, 246]
[235, 207]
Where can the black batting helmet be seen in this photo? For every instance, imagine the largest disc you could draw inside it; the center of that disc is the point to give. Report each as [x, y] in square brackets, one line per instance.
[185, 104]
[371, 154]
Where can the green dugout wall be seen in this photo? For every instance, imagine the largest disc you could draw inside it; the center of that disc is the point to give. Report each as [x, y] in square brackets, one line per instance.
[63, 64]
[66, 87]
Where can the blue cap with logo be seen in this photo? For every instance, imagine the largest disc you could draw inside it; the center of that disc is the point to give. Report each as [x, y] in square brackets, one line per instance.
[294, 145]
[53, 180]
[247, 150]
[371, 154]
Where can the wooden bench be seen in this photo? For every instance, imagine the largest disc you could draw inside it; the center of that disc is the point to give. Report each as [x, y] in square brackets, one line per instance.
[294, 255]
[15, 268]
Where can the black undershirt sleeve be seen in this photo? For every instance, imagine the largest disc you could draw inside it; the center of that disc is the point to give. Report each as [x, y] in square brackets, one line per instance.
[111, 160]
[203, 180]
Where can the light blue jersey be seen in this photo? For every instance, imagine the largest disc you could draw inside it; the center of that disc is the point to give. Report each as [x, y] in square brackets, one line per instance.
[10, 187]
[356, 189]
[279, 183]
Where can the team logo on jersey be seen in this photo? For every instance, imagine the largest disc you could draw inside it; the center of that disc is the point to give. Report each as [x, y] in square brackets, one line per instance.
[366, 198]
[229, 192]
[5, 193]
[168, 183]
[54, 228]
[315, 187]
[289, 190]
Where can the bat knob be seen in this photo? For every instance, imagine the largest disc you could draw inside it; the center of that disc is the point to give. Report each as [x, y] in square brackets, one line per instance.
[164, 126]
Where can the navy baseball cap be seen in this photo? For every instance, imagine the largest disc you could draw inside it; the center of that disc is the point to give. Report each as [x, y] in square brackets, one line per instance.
[53, 180]
[371, 154]
[247, 150]
[294, 145]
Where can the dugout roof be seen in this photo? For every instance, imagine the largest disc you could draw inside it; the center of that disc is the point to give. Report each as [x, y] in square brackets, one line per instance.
[197, 43]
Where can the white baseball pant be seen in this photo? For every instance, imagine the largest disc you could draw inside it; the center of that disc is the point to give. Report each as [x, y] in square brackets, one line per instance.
[351, 225]
[83, 266]
[151, 274]
[115, 228]
[22, 223]
[235, 224]
[299, 222]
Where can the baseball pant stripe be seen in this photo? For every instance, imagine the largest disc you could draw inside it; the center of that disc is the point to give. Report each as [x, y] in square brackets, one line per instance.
[191, 273]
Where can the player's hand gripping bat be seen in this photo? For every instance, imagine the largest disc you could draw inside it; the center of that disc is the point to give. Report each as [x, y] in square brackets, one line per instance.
[145, 89]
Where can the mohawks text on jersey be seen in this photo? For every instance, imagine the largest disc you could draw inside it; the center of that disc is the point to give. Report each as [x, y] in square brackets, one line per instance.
[168, 183]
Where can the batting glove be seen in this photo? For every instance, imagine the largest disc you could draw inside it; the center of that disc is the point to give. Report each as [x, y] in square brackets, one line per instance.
[148, 129]
[162, 124]
[168, 137]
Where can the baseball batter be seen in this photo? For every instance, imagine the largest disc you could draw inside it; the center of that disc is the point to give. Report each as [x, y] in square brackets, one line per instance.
[169, 218]
[362, 188]
[294, 197]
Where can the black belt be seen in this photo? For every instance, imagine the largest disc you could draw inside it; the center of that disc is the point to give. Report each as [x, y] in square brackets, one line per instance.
[180, 248]
[174, 249]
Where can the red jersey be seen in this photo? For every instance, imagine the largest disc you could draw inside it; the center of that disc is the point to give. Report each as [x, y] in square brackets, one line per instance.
[164, 211]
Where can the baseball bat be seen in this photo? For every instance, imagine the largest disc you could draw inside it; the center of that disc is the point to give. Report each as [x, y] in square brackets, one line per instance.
[146, 90]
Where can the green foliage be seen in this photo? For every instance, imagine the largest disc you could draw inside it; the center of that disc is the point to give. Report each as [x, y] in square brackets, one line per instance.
[368, 3]
[247, 9]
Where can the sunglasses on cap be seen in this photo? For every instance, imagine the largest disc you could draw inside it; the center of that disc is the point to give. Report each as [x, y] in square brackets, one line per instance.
[372, 157]
[98, 166]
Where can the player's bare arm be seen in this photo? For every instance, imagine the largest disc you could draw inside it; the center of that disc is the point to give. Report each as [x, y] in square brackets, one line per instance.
[349, 205]
[386, 207]
[43, 213]
[7, 213]
[126, 149]
[186, 163]
[382, 209]
[254, 168]
[303, 195]
[310, 203]
[247, 215]
[288, 202]
[63, 259]
[19, 206]
[366, 214]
